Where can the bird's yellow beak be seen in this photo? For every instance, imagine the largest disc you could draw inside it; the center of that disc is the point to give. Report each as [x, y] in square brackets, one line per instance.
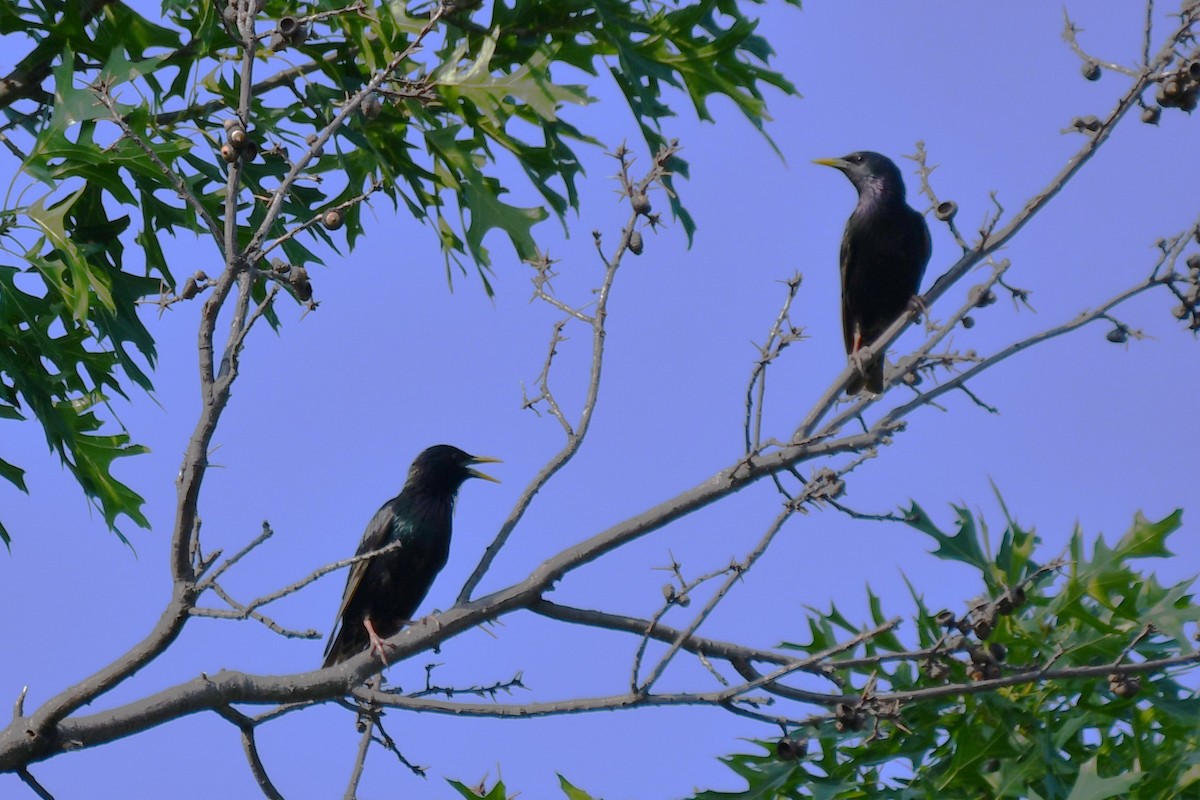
[836, 163]
[483, 460]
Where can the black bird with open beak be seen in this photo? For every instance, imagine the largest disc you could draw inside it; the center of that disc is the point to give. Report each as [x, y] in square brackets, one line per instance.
[884, 252]
[383, 593]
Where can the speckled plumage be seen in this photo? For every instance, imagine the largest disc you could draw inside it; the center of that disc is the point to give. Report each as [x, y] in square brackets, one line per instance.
[387, 589]
[885, 248]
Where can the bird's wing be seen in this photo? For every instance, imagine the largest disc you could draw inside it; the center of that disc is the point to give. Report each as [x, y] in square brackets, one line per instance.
[848, 322]
[375, 537]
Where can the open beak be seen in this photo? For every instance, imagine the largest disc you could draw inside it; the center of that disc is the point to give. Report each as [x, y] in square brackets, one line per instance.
[836, 163]
[474, 473]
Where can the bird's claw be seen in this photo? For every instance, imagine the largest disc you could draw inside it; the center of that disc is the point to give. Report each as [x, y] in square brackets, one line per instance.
[859, 360]
[378, 646]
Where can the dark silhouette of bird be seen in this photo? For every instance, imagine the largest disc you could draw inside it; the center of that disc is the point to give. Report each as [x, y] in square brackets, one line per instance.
[884, 252]
[383, 592]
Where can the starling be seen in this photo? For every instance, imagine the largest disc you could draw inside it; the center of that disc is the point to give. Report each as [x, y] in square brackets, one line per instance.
[383, 593]
[884, 252]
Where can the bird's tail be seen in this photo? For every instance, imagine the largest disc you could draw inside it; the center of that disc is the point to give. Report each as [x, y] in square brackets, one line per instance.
[872, 381]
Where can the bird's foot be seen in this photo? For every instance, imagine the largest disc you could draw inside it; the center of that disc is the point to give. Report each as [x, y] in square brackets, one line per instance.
[859, 359]
[917, 310]
[378, 646]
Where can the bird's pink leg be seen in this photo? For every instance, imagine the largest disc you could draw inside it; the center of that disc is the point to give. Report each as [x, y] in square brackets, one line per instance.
[857, 360]
[378, 645]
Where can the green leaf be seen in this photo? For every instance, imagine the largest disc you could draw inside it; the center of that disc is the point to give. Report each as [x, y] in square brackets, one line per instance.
[572, 792]
[963, 546]
[1090, 786]
[497, 792]
[1146, 539]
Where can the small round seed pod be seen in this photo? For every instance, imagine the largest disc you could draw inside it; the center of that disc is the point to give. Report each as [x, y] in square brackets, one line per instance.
[1150, 115]
[946, 619]
[635, 243]
[1090, 70]
[946, 210]
[1189, 99]
[229, 153]
[293, 30]
[968, 322]
[641, 203]
[936, 670]
[1118, 335]
[789, 749]
[371, 106]
[333, 219]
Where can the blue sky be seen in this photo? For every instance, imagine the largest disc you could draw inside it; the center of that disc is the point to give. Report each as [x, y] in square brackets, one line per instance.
[328, 415]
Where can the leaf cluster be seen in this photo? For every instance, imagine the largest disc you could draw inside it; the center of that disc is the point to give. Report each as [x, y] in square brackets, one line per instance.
[1056, 719]
[119, 123]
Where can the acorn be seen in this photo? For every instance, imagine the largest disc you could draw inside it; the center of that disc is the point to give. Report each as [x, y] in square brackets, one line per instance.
[1090, 70]
[1118, 335]
[986, 299]
[946, 210]
[846, 718]
[635, 243]
[333, 219]
[298, 277]
[1150, 115]
[228, 153]
[1181, 312]
[668, 592]
[310, 140]
[292, 30]
[229, 123]
[201, 276]
[998, 651]
[641, 203]
[371, 106]
[936, 670]
[1193, 262]
[237, 135]
[684, 601]
[1124, 686]
[1192, 70]
[1090, 123]
[946, 619]
[249, 150]
[982, 628]
[1171, 89]
[968, 322]
[789, 749]
[1189, 100]
[189, 289]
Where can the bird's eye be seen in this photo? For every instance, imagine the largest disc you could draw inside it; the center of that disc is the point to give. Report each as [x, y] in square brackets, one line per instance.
[856, 159]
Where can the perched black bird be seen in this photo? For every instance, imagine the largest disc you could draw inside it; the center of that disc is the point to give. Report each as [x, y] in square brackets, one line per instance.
[383, 593]
[884, 252]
